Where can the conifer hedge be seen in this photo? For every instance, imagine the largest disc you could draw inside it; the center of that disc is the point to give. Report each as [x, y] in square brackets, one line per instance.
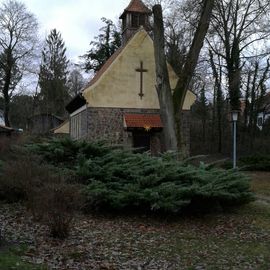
[256, 163]
[118, 179]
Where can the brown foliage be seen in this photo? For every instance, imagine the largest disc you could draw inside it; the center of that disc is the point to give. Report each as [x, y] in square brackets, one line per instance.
[47, 195]
[56, 203]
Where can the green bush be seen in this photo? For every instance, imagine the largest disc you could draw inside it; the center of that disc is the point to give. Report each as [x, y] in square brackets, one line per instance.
[121, 180]
[256, 163]
[65, 152]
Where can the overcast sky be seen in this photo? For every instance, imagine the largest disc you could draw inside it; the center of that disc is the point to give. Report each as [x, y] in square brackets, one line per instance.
[77, 20]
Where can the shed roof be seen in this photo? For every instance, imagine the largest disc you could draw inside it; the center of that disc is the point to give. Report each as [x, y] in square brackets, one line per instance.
[143, 121]
[77, 102]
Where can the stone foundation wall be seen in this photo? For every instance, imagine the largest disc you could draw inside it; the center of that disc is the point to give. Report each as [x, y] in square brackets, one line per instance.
[108, 124]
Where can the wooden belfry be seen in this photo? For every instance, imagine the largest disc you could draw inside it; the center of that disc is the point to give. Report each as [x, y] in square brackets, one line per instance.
[136, 14]
[141, 70]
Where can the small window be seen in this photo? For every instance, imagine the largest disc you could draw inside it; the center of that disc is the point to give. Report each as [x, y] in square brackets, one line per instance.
[142, 20]
[135, 20]
[124, 25]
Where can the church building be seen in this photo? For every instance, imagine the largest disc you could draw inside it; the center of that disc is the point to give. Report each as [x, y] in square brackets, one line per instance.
[120, 104]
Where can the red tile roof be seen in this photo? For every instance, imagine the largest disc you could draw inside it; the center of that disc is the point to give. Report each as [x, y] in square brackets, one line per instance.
[136, 6]
[143, 121]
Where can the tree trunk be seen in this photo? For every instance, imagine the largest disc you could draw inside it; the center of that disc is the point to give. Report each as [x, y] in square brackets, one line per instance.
[187, 72]
[162, 82]
[247, 105]
[234, 87]
[218, 100]
[253, 115]
[6, 112]
[192, 58]
[171, 105]
[6, 96]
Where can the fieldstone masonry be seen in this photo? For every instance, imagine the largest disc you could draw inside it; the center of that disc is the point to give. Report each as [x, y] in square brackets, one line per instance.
[108, 124]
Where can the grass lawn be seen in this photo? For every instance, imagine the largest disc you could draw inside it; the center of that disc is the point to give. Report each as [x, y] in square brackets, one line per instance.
[238, 240]
[10, 258]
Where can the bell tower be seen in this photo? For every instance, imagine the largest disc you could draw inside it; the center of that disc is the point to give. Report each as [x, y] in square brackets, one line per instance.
[134, 16]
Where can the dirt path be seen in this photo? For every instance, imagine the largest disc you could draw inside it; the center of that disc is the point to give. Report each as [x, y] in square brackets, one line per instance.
[261, 186]
[260, 176]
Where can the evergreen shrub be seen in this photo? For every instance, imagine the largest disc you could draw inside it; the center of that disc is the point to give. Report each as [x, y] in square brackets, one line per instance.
[256, 162]
[118, 179]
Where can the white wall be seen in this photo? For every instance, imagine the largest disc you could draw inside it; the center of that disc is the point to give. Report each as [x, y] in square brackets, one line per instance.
[2, 119]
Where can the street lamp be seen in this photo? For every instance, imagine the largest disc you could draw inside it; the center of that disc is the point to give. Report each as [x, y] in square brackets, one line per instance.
[234, 118]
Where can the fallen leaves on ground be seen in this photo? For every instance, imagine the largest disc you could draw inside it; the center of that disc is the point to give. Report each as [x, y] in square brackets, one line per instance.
[229, 241]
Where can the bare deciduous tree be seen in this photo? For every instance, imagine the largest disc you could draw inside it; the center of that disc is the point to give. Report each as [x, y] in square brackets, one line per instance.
[18, 37]
[75, 82]
[217, 98]
[237, 24]
[185, 76]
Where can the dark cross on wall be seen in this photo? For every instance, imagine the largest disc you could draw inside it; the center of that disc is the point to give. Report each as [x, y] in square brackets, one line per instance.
[141, 70]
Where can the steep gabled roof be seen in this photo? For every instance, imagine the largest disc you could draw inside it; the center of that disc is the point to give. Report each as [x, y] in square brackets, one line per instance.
[136, 6]
[105, 66]
[108, 63]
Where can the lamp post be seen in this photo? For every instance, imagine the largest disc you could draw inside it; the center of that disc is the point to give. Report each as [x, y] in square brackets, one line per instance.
[234, 117]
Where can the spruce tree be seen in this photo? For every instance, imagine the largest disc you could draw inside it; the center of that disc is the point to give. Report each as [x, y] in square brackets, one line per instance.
[53, 75]
[105, 44]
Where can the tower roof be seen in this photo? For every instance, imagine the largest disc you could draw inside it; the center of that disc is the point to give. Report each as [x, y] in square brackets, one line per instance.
[136, 6]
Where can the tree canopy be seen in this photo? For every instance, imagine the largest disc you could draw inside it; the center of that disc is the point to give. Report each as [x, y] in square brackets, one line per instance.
[53, 75]
[104, 45]
[18, 38]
